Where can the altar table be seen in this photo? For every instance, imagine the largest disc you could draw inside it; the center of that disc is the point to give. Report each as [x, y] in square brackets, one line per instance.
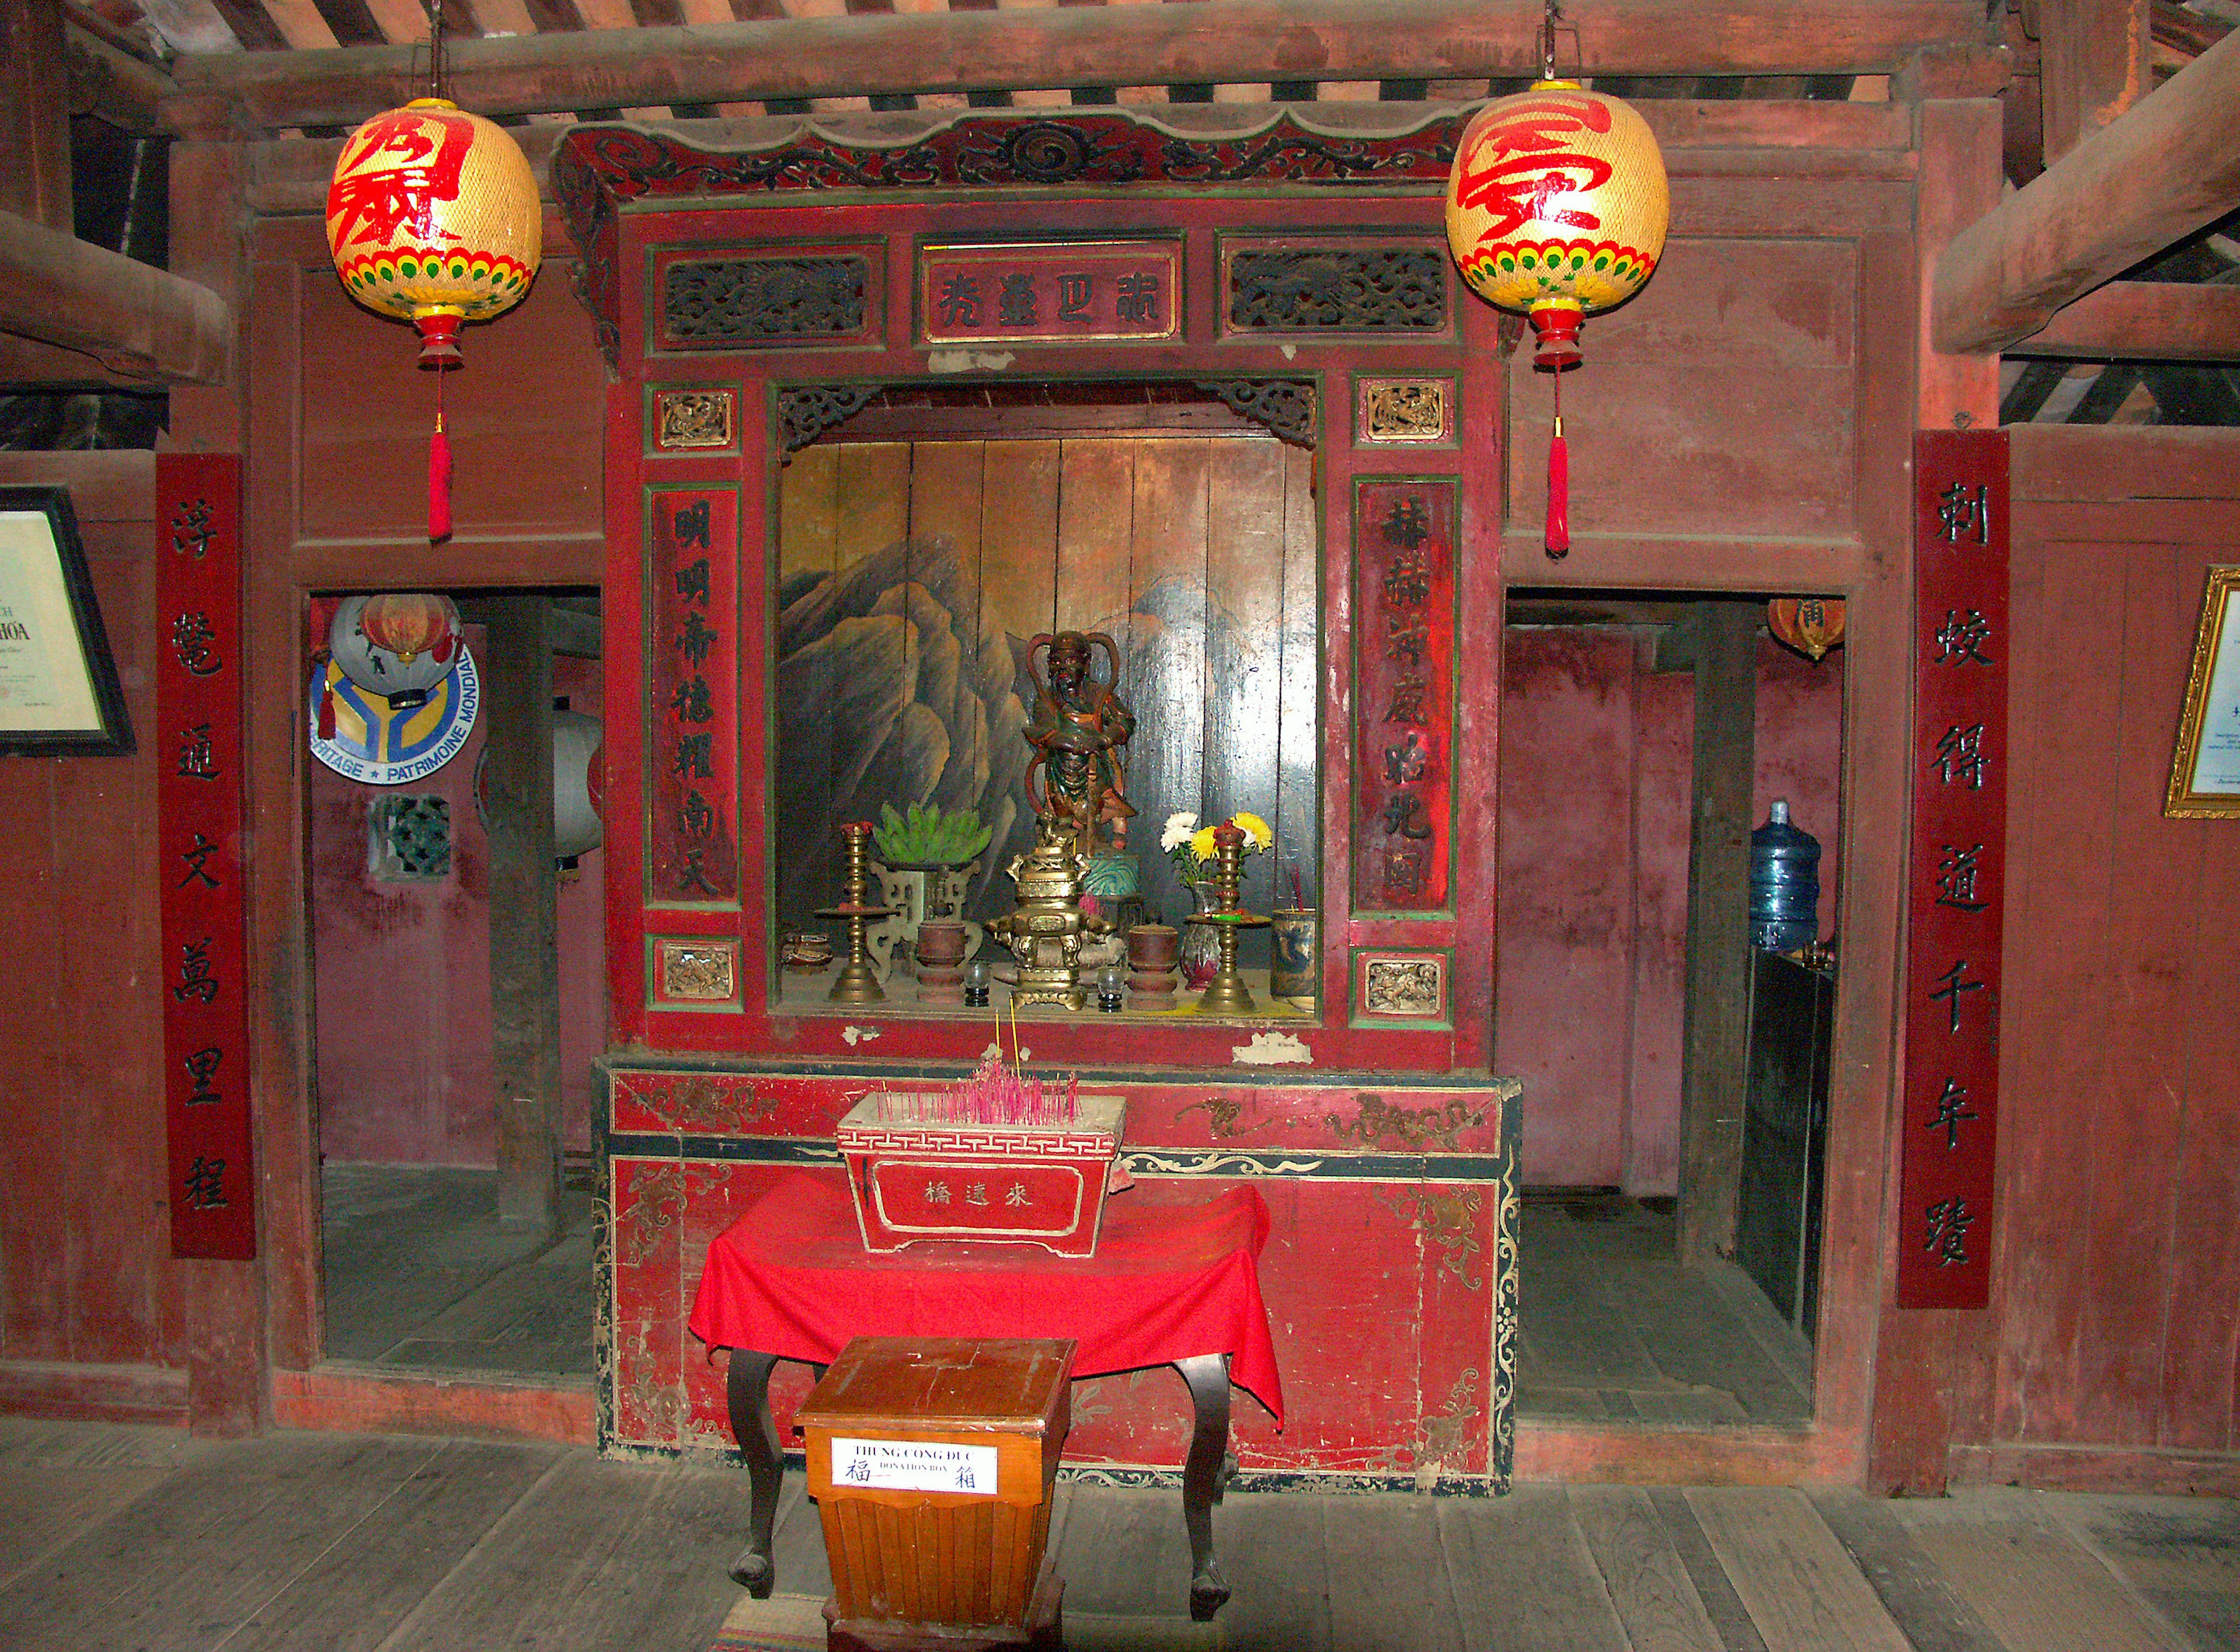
[790, 1280]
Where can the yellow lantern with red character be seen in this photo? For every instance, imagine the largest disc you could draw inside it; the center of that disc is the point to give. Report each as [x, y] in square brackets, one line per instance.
[1557, 206]
[433, 216]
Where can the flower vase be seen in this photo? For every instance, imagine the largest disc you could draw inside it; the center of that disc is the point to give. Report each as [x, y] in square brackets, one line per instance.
[1201, 954]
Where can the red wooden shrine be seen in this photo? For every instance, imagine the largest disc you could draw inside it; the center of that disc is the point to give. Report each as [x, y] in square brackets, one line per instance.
[750, 302]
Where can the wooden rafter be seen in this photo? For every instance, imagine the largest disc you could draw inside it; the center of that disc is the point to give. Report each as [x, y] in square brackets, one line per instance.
[138, 322]
[1212, 41]
[2122, 195]
[2144, 321]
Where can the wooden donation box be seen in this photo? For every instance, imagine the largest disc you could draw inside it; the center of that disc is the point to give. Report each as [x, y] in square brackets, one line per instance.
[932, 1461]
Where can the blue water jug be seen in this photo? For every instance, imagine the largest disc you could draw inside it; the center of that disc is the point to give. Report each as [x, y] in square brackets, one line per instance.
[1784, 884]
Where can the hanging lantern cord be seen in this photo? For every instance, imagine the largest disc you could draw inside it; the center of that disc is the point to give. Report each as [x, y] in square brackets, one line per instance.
[1552, 23]
[437, 79]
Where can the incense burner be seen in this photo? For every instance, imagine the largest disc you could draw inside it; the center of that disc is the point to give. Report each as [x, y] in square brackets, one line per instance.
[919, 1169]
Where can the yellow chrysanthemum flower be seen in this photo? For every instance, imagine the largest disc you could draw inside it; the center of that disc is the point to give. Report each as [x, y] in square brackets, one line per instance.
[1202, 843]
[1259, 835]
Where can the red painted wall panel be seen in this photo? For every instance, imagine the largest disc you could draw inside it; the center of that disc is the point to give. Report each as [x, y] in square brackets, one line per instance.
[2117, 1287]
[1595, 776]
[84, 1228]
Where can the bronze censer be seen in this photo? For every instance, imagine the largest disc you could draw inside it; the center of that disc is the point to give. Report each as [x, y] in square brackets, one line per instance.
[1045, 931]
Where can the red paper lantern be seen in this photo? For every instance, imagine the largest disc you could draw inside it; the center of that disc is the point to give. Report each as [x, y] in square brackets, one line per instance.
[1811, 625]
[1557, 206]
[432, 216]
[409, 624]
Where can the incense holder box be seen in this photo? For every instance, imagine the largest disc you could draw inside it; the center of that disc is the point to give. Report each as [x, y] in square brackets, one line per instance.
[916, 1175]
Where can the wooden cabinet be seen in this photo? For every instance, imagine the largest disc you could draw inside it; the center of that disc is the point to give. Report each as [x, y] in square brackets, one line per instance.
[1785, 1134]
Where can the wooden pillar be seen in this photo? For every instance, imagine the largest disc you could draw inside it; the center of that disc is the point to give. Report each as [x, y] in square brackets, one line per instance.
[524, 919]
[35, 155]
[1712, 1073]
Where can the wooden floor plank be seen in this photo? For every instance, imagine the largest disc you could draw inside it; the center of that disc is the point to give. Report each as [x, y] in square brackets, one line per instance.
[1737, 1633]
[27, 1442]
[1802, 1590]
[1912, 1587]
[43, 1509]
[796, 1540]
[665, 1584]
[2038, 1589]
[364, 1585]
[185, 1565]
[1283, 1554]
[2181, 1554]
[1522, 1576]
[1388, 1586]
[519, 1587]
[1647, 1580]
[1124, 1551]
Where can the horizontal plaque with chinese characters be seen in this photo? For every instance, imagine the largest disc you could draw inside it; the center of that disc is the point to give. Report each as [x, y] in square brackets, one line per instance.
[691, 651]
[1403, 652]
[198, 695]
[1957, 870]
[1025, 293]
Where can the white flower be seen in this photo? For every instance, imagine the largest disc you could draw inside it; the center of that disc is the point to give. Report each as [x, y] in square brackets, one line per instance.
[1178, 829]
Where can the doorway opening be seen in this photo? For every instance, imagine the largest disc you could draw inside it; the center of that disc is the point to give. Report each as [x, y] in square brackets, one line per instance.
[1676, 1128]
[459, 997]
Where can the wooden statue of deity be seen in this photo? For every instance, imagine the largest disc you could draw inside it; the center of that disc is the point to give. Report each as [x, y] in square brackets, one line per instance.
[1076, 780]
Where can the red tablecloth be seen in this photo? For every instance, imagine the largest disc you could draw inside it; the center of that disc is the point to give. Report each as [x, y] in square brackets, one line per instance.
[791, 1277]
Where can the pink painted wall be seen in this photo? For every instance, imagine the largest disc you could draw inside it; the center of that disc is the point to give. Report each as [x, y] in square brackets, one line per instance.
[1595, 760]
[403, 1072]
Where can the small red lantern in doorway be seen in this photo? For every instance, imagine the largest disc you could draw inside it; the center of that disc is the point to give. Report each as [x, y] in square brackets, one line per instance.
[1811, 625]
[412, 622]
[432, 216]
[1557, 206]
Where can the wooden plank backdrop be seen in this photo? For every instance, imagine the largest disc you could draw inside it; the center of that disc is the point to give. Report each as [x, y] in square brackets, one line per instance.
[937, 562]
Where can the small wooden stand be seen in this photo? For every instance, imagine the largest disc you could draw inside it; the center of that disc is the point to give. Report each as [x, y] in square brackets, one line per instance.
[932, 1460]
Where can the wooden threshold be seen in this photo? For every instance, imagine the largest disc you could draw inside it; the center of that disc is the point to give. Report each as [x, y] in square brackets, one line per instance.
[382, 1400]
[1647, 1454]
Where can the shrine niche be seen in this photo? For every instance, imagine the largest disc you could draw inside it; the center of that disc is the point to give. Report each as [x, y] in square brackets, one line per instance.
[1059, 519]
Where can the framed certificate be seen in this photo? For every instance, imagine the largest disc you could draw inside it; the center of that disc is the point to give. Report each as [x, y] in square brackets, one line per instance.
[2206, 775]
[58, 693]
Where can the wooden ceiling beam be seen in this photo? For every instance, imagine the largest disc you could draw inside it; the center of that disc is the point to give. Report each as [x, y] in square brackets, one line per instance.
[143, 324]
[1066, 46]
[2122, 195]
[2143, 321]
[108, 82]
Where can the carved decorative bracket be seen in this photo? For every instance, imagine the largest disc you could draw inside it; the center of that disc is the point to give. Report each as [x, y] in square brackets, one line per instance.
[1285, 406]
[809, 411]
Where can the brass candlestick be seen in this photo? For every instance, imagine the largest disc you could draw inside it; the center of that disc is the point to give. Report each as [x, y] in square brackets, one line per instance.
[1227, 991]
[858, 983]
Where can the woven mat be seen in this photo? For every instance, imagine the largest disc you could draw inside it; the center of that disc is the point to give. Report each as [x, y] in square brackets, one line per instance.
[796, 1624]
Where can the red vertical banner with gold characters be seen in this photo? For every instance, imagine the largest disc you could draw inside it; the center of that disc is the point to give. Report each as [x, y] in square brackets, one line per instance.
[1403, 655]
[691, 691]
[1956, 890]
[200, 826]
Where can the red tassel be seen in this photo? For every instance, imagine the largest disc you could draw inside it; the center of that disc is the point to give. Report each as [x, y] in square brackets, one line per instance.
[439, 484]
[1559, 496]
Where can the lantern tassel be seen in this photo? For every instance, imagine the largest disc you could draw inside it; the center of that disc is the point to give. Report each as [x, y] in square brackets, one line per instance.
[439, 475]
[1558, 537]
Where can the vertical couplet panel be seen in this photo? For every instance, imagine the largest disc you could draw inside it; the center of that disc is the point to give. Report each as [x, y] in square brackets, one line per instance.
[1403, 661]
[691, 752]
[198, 694]
[1957, 875]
